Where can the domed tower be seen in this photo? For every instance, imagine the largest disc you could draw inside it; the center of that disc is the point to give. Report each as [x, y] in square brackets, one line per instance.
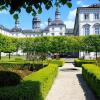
[57, 14]
[17, 27]
[17, 23]
[36, 23]
[49, 21]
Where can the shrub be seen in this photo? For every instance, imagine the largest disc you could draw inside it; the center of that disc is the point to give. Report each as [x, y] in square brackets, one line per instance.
[91, 73]
[60, 62]
[9, 78]
[79, 62]
[18, 59]
[34, 86]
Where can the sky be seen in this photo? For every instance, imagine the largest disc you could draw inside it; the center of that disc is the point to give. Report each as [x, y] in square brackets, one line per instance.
[67, 15]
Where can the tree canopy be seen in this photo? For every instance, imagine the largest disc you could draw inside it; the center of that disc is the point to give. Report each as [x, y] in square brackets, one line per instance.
[31, 6]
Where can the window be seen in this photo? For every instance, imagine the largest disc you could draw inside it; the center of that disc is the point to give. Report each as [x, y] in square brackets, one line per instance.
[61, 34]
[96, 28]
[86, 29]
[52, 34]
[86, 16]
[60, 28]
[96, 15]
[52, 28]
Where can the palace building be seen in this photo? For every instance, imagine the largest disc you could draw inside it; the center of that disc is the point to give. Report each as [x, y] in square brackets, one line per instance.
[54, 28]
[87, 22]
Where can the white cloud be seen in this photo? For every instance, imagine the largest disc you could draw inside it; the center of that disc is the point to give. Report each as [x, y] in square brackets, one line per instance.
[79, 2]
[69, 23]
[43, 24]
[3, 12]
[72, 14]
[85, 5]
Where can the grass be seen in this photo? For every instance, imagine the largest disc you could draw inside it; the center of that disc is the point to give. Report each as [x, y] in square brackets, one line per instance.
[6, 58]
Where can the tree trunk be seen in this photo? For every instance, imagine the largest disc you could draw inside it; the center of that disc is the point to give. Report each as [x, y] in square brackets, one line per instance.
[83, 55]
[96, 55]
[9, 55]
[0, 55]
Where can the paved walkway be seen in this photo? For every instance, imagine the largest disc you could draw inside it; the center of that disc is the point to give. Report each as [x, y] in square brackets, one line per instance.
[69, 85]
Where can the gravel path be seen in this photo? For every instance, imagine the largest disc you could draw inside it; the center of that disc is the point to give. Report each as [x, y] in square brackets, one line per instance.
[69, 85]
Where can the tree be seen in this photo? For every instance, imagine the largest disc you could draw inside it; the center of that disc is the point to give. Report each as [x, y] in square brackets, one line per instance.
[93, 43]
[31, 6]
[2, 43]
[9, 46]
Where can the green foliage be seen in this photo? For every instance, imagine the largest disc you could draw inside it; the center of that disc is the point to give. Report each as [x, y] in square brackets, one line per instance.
[15, 6]
[91, 73]
[9, 78]
[60, 62]
[79, 62]
[20, 64]
[34, 86]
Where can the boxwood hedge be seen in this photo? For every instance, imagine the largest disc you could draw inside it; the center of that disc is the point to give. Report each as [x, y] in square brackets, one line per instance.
[60, 62]
[91, 73]
[79, 62]
[33, 87]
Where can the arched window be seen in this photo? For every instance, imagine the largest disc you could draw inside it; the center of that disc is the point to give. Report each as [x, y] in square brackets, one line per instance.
[96, 28]
[86, 29]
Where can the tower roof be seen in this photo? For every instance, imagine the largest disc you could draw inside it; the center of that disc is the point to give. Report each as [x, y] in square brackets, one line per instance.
[36, 18]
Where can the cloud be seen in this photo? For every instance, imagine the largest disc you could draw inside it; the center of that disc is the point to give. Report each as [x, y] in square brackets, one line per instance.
[3, 12]
[69, 23]
[85, 5]
[72, 14]
[79, 2]
[43, 24]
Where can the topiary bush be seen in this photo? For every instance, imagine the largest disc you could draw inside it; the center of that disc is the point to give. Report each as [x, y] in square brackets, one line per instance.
[79, 62]
[8, 78]
[91, 74]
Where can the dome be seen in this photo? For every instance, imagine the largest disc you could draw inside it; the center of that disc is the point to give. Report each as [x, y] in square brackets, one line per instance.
[16, 29]
[57, 22]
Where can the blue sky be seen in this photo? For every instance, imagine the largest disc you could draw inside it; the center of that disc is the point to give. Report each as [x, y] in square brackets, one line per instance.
[67, 15]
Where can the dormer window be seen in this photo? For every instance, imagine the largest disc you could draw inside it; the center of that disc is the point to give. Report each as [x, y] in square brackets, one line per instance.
[86, 16]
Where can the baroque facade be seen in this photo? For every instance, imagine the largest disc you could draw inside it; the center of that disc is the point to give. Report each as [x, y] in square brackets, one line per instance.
[54, 28]
[87, 22]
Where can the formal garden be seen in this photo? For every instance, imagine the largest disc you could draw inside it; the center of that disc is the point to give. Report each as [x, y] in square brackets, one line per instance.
[30, 76]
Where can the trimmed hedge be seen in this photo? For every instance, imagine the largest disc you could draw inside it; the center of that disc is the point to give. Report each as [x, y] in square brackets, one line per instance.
[34, 86]
[60, 62]
[22, 65]
[79, 62]
[91, 73]
[9, 78]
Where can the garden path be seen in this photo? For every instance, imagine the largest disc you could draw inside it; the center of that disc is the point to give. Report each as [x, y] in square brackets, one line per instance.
[69, 85]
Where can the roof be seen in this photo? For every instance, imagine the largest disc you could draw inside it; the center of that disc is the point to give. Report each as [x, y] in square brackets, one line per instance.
[90, 6]
[57, 23]
[70, 30]
[15, 29]
[4, 28]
